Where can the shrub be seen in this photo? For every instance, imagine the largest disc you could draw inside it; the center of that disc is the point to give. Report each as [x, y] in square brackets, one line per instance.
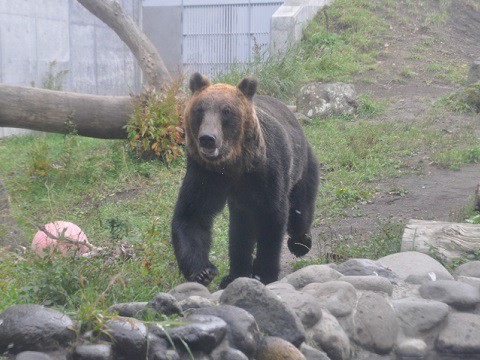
[155, 129]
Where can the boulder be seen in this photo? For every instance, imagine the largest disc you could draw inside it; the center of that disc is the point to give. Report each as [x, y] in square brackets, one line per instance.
[376, 325]
[417, 316]
[331, 338]
[412, 263]
[370, 283]
[274, 317]
[242, 333]
[273, 348]
[305, 305]
[185, 290]
[129, 337]
[30, 327]
[311, 274]
[327, 99]
[454, 293]
[471, 269]
[460, 335]
[338, 297]
[365, 267]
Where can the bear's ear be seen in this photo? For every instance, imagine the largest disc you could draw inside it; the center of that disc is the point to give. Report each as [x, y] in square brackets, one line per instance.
[248, 87]
[198, 82]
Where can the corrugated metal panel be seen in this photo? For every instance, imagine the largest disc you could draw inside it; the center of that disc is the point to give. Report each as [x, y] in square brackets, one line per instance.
[217, 36]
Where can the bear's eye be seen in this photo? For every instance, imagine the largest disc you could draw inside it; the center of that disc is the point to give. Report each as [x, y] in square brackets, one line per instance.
[226, 111]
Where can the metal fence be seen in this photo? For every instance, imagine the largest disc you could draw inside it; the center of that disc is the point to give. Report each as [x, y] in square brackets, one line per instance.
[221, 34]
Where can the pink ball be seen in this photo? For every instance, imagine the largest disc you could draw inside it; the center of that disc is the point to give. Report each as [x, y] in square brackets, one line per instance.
[41, 242]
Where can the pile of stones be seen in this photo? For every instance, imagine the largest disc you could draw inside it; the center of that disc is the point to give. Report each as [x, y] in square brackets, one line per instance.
[402, 306]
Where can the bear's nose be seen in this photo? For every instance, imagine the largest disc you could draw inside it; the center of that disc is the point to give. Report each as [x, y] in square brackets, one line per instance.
[207, 141]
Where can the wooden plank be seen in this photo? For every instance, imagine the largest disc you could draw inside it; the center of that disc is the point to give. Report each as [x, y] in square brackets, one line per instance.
[448, 239]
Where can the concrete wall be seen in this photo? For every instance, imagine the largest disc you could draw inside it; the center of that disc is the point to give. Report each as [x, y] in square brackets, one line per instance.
[289, 21]
[163, 26]
[33, 33]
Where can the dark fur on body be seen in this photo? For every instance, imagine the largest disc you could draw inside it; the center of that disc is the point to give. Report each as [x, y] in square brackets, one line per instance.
[250, 152]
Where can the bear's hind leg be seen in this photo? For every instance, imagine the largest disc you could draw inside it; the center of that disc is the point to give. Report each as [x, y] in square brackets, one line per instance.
[302, 207]
[241, 243]
[266, 266]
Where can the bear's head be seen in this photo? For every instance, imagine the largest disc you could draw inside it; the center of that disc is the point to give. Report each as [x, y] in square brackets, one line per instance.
[222, 128]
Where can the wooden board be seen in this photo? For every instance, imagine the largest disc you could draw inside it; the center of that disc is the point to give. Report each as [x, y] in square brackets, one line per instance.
[451, 240]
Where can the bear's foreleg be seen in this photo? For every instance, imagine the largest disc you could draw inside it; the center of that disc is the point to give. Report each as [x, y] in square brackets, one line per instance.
[201, 197]
[271, 230]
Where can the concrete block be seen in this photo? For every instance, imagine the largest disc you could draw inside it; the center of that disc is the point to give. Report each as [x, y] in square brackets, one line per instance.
[20, 7]
[79, 15]
[82, 59]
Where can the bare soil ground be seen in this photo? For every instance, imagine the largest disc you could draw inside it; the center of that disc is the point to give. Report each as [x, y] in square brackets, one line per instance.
[432, 193]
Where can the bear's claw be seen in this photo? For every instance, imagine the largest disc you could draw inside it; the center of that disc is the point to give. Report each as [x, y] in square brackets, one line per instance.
[206, 276]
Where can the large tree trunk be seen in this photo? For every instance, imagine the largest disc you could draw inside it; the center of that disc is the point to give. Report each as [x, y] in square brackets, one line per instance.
[91, 115]
[56, 111]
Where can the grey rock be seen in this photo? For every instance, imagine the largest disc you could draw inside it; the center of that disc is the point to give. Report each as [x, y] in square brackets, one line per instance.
[474, 281]
[194, 302]
[201, 332]
[185, 290]
[278, 285]
[471, 269]
[474, 72]
[376, 325]
[131, 309]
[366, 267]
[32, 355]
[93, 352]
[461, 335]
[412, 349]
[454, 293]
[322, 100]
[271, 347]
[273, 317]
[216, 295]
[165, 304]
[305, 305]
[331, 338]
[311, 353]
[370, 283]
[243, 333]
[416, 316]
[129, 337]
[157, 348]
[34, 327]
[409, 263]
[311, 274]
[362, 354]
[338, 297]
[227, 353]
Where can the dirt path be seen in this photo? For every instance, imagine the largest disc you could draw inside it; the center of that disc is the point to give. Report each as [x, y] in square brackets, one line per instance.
[433, 193]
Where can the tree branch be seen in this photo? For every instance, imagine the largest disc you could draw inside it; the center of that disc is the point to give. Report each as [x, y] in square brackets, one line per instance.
[112, 14]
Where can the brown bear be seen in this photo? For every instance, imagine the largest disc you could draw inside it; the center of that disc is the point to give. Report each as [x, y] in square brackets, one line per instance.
[248, 151]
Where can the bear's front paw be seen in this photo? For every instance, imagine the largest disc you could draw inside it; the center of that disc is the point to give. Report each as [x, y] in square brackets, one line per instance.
[300, 247]
[206, 276]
